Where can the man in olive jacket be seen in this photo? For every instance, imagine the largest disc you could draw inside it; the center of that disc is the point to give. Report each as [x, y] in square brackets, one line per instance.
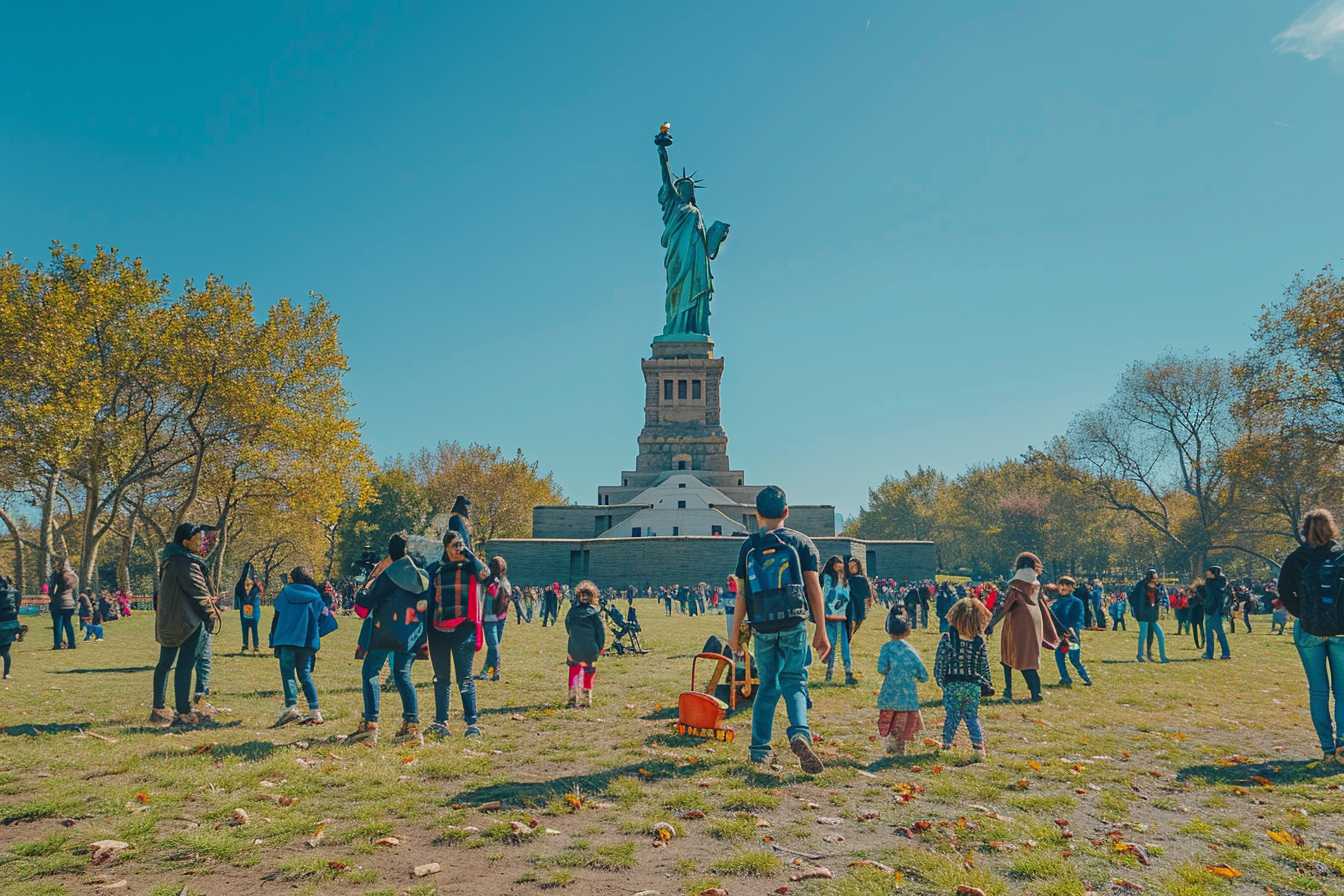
[184, 608]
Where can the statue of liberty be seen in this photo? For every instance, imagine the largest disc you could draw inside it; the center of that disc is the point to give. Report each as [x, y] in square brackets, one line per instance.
[689, 250]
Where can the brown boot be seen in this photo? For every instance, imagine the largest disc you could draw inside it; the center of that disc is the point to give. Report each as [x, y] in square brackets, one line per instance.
[409, 733]
[161, 717]
[366, 733]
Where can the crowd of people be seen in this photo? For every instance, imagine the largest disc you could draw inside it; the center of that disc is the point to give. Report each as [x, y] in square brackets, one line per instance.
[457, 606]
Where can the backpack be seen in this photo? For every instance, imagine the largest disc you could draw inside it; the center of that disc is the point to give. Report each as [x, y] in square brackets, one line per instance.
[1322, 593]
[775, 597]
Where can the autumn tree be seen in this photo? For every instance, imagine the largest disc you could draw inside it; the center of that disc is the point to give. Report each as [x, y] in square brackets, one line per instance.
[503, 488]
[900, 508]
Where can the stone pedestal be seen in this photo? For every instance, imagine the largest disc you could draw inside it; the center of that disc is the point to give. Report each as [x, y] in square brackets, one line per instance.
[681, 409]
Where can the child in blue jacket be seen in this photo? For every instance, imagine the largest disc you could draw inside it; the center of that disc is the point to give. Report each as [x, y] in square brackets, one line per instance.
[300, 620]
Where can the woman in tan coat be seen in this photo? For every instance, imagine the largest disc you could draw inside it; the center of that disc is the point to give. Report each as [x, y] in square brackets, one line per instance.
[1028, 627]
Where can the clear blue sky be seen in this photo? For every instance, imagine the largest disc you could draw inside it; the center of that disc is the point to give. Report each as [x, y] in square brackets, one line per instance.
[953, 224]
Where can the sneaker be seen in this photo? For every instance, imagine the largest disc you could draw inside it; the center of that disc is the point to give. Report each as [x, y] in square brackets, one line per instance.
[438, 729]
[472, 731]
[314, 717]
[1067, 683]
[202, 707]
[807, 757]
[1087, 682]
[287, 715]
[186, 720]
[495, 677]
[409, 733]
[1140, 659]
[765, 760]
[850, 679]
[162, 717]
[980, 753]
[1037, 698]
[366, 733]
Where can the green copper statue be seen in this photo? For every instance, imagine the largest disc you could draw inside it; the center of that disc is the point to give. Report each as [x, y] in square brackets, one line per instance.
[689, 250]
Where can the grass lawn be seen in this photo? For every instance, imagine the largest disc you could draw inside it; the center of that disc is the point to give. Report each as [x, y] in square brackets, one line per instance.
[1147, 780]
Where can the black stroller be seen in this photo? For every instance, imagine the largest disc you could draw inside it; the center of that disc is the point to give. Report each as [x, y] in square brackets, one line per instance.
[624, 631]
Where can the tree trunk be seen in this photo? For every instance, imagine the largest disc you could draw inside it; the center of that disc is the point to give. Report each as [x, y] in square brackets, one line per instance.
[124, 558]
[46, 525]
[18, 549]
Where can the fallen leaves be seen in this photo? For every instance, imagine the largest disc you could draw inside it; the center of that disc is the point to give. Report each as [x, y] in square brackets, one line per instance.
[1284, 838]
[1134, 850]
[1226, 872]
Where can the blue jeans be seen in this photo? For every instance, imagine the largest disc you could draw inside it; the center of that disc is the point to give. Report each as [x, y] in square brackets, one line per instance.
[494, 633]
[61, 624]
[93, 630]
[297, 661]
[1076, 658]
[838, 631]
[1156, 629]
[961, 702]
[1323, 661]
[250, 625]
[401, 676]
[203, 656]
[1213, 625]
[452, 654]
[781, 663]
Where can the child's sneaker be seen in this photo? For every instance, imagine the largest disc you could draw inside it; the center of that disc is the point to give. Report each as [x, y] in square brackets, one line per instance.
[895, 746]
[586, 698]
[472, 731]
[763, 761]
[162, 717]
[287, 715]
[438, 729]
[980, 753]
[314, 717]
[807, 757]
[409, 733]
[366, 733]
[850, 679]
[573, 698]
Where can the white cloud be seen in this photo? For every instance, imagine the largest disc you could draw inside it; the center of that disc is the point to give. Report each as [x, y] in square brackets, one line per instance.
[1316, 33]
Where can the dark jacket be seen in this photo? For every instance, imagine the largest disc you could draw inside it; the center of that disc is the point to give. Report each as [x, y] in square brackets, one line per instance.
[402, 583]
[860, 592]
[1213, 594]
[459, 524]
[184, 596]
[1138, 601]
[9, 602]
[64, 588]
[1308, 609]
[587, 636]
[295, 623]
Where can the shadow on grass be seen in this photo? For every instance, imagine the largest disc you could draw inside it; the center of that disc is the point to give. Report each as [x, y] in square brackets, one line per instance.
[535, 793]
[502, 710]
[157, 729]
[250, 751]
[1170, 661]
[116, 670]
[1293, 771]
[35, 730]
[666, 714]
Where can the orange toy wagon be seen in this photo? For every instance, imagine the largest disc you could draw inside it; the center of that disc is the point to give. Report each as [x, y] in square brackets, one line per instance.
[700, 713]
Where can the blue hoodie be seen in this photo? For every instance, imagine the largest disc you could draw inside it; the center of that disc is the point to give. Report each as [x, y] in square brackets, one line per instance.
[295, 624]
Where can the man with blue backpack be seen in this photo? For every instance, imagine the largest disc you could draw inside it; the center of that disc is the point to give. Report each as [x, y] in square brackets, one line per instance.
[779, 591]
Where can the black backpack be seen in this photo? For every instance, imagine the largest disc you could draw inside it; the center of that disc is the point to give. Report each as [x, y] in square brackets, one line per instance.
[1322, 593]
[775, 597]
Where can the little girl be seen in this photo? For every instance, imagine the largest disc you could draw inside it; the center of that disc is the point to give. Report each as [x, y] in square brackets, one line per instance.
[587, 637]
[961, 669]
[898, 718]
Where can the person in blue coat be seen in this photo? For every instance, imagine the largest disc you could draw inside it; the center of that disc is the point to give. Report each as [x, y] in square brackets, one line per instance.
[300, 620]
[247, 598]
[1070, 613]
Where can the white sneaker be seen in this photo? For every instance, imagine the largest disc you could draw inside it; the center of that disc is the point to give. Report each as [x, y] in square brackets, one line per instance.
[314, 717]
[287, 715]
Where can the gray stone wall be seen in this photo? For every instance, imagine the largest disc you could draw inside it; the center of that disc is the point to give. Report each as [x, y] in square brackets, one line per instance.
[683, 560]
[576, 520]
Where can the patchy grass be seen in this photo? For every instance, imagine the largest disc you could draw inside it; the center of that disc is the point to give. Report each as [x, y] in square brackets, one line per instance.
[1192, 766]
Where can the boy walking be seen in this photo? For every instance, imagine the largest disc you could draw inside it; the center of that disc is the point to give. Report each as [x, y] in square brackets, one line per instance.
[779, 590]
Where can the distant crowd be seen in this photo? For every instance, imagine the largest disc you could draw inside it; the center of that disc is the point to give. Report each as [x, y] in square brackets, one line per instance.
[456, 606]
